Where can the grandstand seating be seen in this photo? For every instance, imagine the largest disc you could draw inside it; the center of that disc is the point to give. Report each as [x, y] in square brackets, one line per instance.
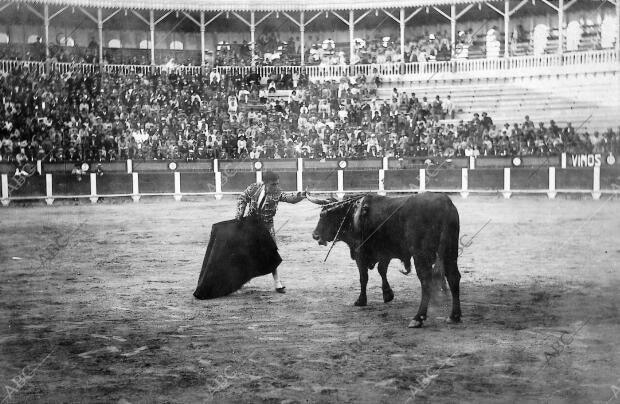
[571, 98]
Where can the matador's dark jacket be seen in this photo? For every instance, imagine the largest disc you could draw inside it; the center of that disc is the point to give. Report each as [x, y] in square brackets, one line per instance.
[253, 195]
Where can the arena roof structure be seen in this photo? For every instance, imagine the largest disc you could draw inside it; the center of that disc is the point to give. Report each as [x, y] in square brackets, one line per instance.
[251, 5]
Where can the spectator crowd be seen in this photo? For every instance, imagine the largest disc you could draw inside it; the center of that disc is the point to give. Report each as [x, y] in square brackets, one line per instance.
[170, 116]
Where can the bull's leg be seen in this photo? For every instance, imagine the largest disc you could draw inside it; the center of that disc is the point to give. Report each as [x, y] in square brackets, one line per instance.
[423, 268]
[388, 294]
[454, 277]
[361, 300]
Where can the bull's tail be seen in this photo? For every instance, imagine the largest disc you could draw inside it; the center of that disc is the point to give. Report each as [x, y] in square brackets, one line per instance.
[439, 268]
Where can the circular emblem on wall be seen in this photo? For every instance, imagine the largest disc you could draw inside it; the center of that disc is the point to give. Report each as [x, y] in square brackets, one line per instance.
[258, 165]
[85, 166]
[516, 161]
[172, 165]
[342, 164]
[611, 160]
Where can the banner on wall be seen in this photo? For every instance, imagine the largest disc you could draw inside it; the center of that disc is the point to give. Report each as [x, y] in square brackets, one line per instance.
[585, 160]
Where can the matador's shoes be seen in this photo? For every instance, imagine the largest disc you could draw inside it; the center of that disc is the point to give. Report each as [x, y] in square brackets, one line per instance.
[281, 289]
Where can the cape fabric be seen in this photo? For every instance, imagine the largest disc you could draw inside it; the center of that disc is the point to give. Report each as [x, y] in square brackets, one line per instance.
[237, 252]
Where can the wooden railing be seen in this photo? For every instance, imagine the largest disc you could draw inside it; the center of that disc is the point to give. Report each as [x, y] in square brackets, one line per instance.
[411, 71]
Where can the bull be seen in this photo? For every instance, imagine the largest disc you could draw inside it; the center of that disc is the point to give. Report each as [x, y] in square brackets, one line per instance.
[378, 229]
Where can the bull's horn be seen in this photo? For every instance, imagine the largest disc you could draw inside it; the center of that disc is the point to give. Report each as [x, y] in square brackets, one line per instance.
[317, 201]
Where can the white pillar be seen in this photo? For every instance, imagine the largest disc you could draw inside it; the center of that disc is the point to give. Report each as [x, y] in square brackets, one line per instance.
[551, 193]
[48, 189]
[472, 163]
[39, 167]
[300, 175]
[464, 182]
[100, 30]
[386, 163]
[5, 189]
[177, 186]
[453, 28]
[253, 34]
[340, 192]
[46, 28]
[218, 185]
[563, 160]
[618, 27]
[506, 28]
[561, 27]
[381, 182]
[506, 192]
[152, 28]
[93, 188]
[202, 38]
[259, 176]
[302, 39]
[129, 166]
[135, 187]
[422, 180]
[596, 185]
[351, 36]
[402, 34]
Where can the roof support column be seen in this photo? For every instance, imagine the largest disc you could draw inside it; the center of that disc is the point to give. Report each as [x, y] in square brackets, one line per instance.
[618, 26]
[302, 31]
[506, 28]
[100, 31]
[202, 25]
[402, 34]
[253, 34]
[302, 38]
[453, 18]
[561, 28]
[46, 32]
[351, 36]
[202, 38]
[152, 29]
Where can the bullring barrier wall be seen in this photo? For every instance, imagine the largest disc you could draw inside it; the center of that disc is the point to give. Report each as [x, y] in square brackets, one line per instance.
[584, 174]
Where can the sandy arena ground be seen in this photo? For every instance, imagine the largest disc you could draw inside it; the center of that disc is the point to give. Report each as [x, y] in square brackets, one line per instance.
[96, 306]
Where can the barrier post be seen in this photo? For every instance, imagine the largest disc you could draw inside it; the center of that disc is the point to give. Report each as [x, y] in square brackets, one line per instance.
[464, 183]
[5, 190]
[422, 186]
[48, 189]
[135, 193]
[93, 188]
[218, 179]
[385, 163]
[551, 193]
[506, 192]
[177, 186]
[382, 181]
[218, 185]
[39, 167]
[129, 166]
[563, 160]
[300, 174]
[596, 186]
[472, 163]
[259, 176]
[340, 192]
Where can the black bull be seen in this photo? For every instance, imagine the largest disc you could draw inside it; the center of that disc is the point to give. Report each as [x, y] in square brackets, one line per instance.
[377, 229]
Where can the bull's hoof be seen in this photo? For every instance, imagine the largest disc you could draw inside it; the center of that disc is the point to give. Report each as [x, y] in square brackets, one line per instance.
[361, 301]
[415, 324]
[388, 296]
[453, 319]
